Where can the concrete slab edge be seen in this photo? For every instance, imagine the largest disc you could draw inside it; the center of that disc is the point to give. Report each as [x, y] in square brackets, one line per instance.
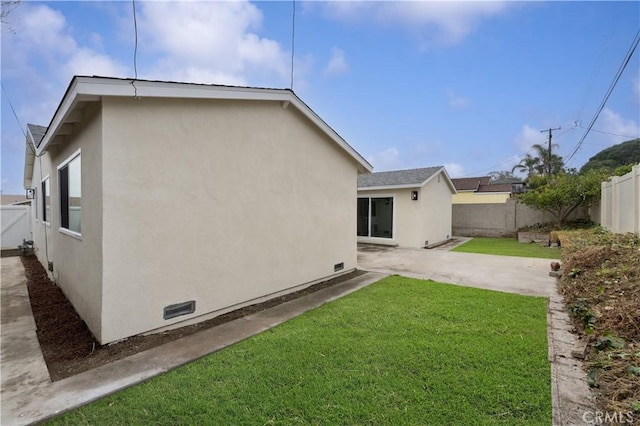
[570, 394]
[57, 398]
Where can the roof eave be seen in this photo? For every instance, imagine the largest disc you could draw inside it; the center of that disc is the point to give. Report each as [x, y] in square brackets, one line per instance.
[28, 166]
[82, 89]
[29, 159]
[385, 187]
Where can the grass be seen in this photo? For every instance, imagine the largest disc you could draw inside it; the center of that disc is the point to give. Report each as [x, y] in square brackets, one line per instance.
[401, 351]
[507, 247]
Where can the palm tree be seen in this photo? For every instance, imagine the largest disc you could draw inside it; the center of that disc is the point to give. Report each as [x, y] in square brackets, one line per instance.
[529, 164]
[541, 163]
[550, 164]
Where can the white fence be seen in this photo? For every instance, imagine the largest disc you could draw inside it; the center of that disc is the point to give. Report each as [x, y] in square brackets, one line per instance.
[620, 203]
[16, 225]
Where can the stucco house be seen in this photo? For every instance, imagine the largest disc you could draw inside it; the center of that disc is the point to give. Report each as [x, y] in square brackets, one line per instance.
[481, 190]
[159, 203]
[406, 208]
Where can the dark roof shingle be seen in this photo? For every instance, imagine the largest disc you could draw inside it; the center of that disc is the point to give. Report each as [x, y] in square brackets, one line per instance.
[37, 132]
[470, 183]
[496, 187]
[397, 177]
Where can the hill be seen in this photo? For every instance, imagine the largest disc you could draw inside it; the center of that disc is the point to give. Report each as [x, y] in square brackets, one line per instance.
[618, 155]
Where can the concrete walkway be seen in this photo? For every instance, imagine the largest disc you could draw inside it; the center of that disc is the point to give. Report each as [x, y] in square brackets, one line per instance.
[28, 395]
[571, 396]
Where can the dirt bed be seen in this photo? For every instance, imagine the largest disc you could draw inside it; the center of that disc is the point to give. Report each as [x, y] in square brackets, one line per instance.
[601, 287]
[69, 347]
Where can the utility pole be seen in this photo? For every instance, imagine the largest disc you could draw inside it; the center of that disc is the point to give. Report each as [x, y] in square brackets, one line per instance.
[548, 168]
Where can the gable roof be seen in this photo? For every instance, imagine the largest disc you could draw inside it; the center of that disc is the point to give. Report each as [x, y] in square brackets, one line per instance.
[84, 89]
[470, 183]
[397, 179]
[496, 187]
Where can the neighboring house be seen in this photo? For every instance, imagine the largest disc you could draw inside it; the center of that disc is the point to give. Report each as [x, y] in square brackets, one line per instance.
[481, 190]
[166, 203]
[13, 199]
[407, 208]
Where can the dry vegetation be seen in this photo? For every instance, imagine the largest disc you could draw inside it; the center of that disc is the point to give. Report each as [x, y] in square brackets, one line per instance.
[601, 288]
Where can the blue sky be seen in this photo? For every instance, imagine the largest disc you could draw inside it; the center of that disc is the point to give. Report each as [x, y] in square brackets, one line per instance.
[468, 85]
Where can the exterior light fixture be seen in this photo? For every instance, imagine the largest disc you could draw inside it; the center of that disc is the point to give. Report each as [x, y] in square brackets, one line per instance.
[31, 193]
[414, 195]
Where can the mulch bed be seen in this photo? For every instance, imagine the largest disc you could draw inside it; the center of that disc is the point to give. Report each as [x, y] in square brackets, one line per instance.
[69, 347]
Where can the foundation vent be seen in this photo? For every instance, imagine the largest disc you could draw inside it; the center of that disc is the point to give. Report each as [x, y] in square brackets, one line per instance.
[184, 308]
[338, 267]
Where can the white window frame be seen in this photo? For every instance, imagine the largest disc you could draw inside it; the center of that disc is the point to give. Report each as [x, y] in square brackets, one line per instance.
[394, 231]
[62, 165]
[36, 194]
[44, 204]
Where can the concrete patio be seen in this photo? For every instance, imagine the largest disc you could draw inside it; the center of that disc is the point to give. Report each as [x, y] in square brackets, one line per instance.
[521, 275]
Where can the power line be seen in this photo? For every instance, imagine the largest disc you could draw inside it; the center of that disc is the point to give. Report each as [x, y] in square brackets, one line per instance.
[604, 46]
[609, 133]
[621, 69]
[293, 40]
[13, 110]
[507, 161]
[515, 157]
[135, 50]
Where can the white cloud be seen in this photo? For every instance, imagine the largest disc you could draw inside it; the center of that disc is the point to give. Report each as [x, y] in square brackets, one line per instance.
[528, 136]
[443, 22]
[456, 101]
[44, 34]
[211, 42]
[41, 56]
[612, 122]
[454, 169]
[337, 64]
[85, 61]
[388, 159]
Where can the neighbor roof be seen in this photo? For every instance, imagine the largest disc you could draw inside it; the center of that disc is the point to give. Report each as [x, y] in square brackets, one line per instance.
[84, 89]
[496, 187]
[470, 183]
[11, 199]
[396, 179]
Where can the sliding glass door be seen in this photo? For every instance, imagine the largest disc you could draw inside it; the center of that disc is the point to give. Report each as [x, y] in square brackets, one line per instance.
[375, 217]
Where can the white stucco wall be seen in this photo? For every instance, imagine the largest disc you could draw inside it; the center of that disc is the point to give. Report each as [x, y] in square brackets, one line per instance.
[436, 207]
[417, 221]
[77, 262]
[220, 202]
[409, 218]
[41, 168]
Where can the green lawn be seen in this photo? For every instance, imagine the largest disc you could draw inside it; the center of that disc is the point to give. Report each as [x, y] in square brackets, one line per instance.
[401, 351]
[507, 247]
